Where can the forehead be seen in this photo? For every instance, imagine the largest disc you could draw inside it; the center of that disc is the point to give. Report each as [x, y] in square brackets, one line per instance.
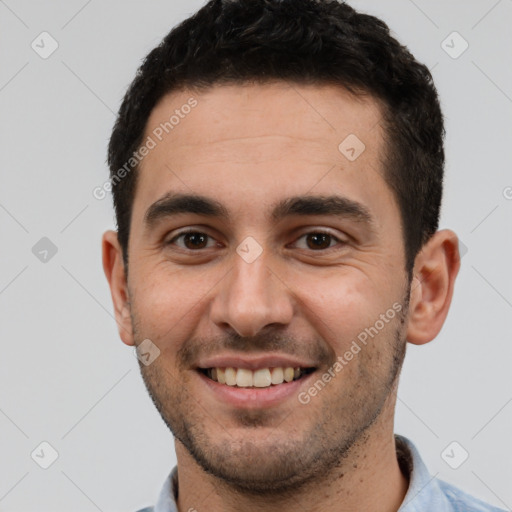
[279, 108]
[261, 140]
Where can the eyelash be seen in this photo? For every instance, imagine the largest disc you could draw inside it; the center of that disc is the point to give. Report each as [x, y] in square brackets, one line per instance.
[314, 232]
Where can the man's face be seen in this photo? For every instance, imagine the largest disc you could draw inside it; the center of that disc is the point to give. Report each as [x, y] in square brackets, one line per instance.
[277, 280]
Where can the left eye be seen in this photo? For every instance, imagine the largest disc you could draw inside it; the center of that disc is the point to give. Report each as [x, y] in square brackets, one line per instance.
[193, 240]
[318, 240]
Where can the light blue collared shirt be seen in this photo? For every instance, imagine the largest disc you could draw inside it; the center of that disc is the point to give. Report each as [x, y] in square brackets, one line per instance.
[425, 493]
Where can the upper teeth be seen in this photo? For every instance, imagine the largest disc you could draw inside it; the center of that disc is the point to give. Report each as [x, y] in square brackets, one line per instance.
[261, 378]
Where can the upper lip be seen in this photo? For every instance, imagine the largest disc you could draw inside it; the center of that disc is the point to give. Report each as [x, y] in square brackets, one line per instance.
[253, 362]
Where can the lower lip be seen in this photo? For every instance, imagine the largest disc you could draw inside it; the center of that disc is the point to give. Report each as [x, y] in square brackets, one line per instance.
[255, 398]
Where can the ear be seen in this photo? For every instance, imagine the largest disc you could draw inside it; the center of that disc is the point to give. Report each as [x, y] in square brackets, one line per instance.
[435, 269]
[113, 266]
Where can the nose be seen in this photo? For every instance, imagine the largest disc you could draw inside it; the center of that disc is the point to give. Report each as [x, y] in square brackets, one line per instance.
[251, 297]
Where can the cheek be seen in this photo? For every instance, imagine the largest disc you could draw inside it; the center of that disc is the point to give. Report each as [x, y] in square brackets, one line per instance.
[344, 306]
[168, 301]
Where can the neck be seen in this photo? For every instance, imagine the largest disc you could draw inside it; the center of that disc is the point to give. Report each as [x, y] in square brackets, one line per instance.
[369, 479]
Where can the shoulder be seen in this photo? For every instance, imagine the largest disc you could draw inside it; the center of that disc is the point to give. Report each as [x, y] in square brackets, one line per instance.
[464, 502]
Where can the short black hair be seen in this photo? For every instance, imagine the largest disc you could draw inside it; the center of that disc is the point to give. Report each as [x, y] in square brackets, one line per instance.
[304, 42]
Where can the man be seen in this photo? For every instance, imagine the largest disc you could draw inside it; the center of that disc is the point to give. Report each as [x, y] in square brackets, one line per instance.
[277, 174]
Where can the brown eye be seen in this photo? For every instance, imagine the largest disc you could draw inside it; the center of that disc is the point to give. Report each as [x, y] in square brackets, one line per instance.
[195, 240]
[192, 240]
[318, 240]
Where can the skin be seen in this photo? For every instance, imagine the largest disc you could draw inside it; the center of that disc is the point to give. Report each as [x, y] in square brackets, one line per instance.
[249, 147]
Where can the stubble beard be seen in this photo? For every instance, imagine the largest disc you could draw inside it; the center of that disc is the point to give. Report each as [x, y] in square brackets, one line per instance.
[277, 465]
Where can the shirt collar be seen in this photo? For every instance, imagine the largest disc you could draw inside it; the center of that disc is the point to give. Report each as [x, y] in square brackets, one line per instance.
[169, 494]
[424, 492]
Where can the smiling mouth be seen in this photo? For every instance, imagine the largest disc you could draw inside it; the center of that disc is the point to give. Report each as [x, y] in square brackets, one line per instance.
[260, 378]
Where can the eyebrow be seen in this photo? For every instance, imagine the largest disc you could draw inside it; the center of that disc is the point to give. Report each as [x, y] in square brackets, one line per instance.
[174, 204]
[333, 205]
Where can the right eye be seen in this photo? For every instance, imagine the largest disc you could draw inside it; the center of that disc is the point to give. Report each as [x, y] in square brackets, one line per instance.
[192, 240]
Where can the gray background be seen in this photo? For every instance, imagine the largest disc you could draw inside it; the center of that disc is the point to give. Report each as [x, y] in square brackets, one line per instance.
[65, 376]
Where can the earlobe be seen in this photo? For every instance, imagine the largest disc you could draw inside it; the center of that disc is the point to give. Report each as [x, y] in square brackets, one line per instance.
[435, 270]
[113, 266]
